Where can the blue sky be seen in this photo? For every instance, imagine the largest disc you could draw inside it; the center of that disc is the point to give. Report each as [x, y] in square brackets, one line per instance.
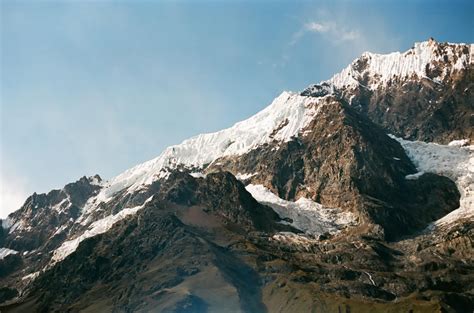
[98, 86]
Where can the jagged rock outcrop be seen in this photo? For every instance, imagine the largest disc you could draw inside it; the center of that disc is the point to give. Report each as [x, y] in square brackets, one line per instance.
[42, 215]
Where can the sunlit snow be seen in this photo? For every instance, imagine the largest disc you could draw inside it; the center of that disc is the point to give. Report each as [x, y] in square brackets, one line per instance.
[291, 110]
[307, 215]
[244, 176]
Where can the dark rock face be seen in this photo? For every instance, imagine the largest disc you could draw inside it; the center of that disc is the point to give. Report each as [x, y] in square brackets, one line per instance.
[221, 193]
[7, 294]
[318, 90]
[9, 264]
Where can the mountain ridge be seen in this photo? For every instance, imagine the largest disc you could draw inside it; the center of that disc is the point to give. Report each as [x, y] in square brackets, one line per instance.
[355, 205]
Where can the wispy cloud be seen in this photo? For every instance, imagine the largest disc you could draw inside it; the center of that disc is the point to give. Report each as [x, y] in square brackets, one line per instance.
[316, 27]
[330, 30]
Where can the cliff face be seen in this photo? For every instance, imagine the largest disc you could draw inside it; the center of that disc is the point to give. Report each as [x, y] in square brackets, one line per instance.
[315, 203]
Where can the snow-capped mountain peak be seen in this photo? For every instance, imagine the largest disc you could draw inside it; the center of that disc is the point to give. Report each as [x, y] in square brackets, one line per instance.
[428, 59]
[312, 189]
[283, 119]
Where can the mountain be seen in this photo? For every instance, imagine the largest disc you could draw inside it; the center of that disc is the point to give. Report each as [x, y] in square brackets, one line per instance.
[354, 195]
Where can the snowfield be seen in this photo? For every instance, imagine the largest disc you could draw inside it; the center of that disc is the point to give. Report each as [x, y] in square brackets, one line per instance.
[244, 176]
[307, 215]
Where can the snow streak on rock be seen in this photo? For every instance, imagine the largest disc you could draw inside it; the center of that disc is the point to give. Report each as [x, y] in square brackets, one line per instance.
[244, 176]
[98, 227]
[4, 252]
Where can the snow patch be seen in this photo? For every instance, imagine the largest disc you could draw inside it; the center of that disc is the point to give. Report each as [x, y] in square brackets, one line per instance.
[307, 215]
[60, 230]
[370, 278]
[95, 180]
[62, 206]
[4, 252]
[289, 238]
[461, 62]
[31, 276]
[245, 176]
[459, 143]
[197, 175]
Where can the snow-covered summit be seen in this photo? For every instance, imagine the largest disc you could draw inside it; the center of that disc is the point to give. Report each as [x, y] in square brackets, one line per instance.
[428, 59]
[283, 119]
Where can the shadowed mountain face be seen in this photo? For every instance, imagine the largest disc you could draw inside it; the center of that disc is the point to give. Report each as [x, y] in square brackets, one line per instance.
[309, 206]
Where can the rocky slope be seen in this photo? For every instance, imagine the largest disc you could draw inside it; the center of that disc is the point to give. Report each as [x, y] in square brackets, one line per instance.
[313, 204]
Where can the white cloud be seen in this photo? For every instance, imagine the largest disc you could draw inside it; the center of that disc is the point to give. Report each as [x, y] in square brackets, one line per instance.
[330, 30]
[316, 27]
